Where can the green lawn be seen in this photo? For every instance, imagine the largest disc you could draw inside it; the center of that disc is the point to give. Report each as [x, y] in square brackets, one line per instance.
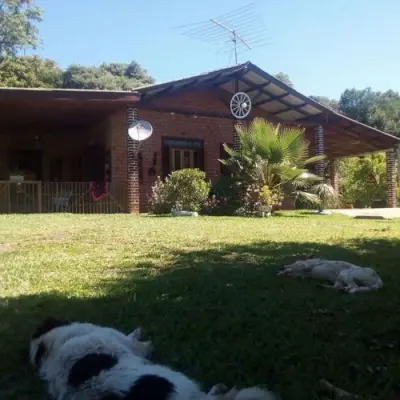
[206, 292]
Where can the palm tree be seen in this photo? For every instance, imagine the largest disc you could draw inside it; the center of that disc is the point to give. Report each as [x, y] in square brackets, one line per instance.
[274, 156]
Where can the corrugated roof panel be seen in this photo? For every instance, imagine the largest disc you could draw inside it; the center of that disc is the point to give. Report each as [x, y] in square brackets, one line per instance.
[255, 78]
[229, 86]
[311, 109]
[293, 100]
[290, 115]
[274, 90]
[261, 98]
[273, 106]
[243, 87]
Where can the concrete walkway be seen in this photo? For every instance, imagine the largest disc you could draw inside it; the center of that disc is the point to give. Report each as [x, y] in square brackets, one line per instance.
[380, 212]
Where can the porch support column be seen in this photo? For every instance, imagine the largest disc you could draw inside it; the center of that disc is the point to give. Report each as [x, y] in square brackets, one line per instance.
[334, 174]
[319, 149]
[132, 165]
[391, 178]
[236, 140]
[398, 164]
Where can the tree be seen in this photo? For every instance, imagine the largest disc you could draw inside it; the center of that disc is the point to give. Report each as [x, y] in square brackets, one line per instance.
[378, 109]
[385, 112]
[272, 157]
[284, 78]
[29, 71]
[358, 104]
[327, 102]
[18, 28]
[363, 179]
[108, 76]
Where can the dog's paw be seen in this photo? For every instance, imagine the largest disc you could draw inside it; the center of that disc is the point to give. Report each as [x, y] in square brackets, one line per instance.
[218, 389]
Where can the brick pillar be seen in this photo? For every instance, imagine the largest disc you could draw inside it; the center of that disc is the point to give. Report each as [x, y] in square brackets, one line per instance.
[132, 165]
[236, 140]
[319, 149]
[398, 164]
[334, 175]
[391, 178]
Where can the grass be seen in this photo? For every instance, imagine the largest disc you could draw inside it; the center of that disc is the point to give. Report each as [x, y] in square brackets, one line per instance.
[205, 290]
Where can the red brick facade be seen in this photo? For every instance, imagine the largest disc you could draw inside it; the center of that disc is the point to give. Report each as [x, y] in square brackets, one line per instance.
[212, 130]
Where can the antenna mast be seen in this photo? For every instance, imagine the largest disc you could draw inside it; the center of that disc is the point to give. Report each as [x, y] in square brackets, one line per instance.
[245, 28]
[235, 37]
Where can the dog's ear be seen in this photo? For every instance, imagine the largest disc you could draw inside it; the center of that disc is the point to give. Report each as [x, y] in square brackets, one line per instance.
[47, 325]
[40, 352]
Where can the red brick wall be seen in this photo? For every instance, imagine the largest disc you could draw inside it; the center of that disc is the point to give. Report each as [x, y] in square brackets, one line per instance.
[213, 131]
[196, 100]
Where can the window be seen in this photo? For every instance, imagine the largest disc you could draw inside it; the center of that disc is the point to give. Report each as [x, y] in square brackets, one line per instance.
[183, 158]
[182, 153]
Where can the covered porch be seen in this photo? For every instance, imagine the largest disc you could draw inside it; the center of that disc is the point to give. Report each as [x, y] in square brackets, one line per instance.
[59, 150]
[327, 131]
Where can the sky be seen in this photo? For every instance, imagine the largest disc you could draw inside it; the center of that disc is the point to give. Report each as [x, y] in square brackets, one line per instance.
[325, 46]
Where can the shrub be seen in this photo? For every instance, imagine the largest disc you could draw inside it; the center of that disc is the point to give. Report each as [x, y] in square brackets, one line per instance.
[223, 199]
[217, 205]
[189, 189]
[185, 189]
[161, 199]
[363, 179]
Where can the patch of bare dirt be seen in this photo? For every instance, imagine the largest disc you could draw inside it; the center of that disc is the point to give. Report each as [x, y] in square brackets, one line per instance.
[5, 247]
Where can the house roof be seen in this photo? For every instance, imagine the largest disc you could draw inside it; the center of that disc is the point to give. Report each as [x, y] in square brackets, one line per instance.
[281, 101]
[23, 107]
[7, 93]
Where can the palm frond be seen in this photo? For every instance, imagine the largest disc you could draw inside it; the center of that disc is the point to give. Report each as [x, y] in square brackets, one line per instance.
[314, 159]
[292, 140]
[327, 194]
[307, 197]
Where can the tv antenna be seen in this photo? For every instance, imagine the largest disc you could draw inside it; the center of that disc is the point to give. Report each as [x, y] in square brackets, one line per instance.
[243, 29]
[235, 37]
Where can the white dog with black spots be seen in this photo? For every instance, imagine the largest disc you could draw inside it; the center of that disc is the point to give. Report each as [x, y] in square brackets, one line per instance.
[82, 361]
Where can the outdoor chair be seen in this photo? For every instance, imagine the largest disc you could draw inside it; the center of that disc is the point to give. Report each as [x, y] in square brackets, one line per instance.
[63, 203]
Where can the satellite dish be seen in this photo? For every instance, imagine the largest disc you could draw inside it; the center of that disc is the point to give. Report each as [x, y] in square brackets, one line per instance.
[140, 130]
[306, 175]
[240, 105]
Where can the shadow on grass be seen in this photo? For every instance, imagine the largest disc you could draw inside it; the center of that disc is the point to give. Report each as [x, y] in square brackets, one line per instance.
[223, 315]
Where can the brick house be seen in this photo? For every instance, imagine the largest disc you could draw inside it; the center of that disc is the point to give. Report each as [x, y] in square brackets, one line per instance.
[191, 120]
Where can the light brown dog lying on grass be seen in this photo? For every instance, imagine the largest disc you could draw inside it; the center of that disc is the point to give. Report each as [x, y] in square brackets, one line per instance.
[344, 276]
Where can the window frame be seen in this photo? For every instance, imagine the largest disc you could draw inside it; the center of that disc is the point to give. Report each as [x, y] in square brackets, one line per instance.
[166, 151]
